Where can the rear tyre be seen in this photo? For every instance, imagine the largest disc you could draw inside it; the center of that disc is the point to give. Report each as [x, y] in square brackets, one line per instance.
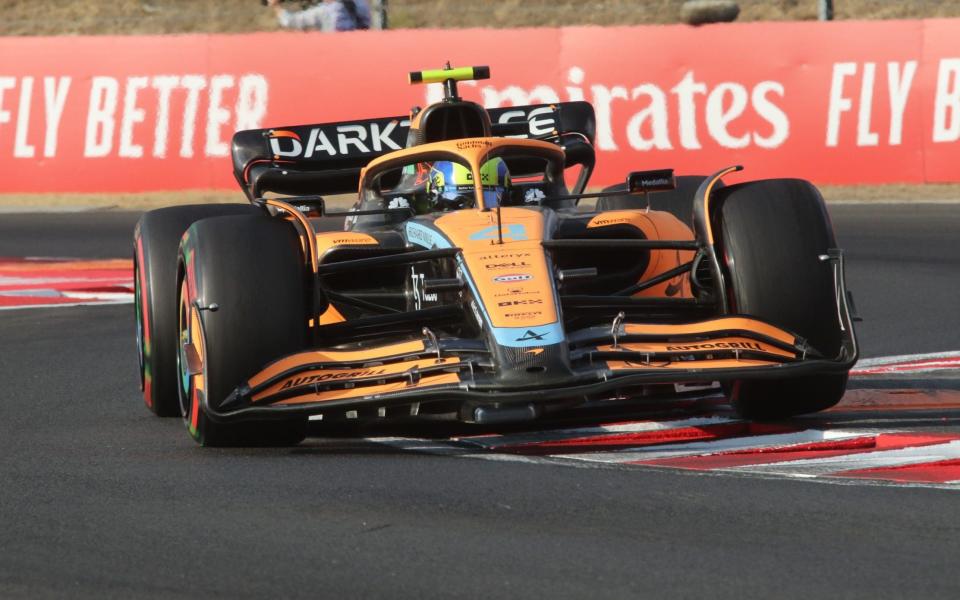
[771, 235]
[155, 242]
[252, 268]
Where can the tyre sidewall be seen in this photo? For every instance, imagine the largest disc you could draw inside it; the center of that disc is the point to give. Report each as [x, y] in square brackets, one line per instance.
[156, 242]
[771, 236]
[252, 268]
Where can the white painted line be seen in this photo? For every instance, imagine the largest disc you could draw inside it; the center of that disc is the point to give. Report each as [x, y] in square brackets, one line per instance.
[33, 293]
[98, 295]
[11, 281]
[817, 467]
[67, 304]
[493, 442]
[945, 364]
[885, 201]
[70, 208]
[449, 449]
[865, 363]
[78, 293]
[419, 445]
[716, 446]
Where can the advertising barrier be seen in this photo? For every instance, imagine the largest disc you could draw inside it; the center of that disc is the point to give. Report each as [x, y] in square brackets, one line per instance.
[834, 102]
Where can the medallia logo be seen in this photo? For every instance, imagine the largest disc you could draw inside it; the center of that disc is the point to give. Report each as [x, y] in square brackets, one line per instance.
[512, 278]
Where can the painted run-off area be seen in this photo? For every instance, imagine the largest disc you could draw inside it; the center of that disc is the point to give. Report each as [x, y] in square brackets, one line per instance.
[876, 437]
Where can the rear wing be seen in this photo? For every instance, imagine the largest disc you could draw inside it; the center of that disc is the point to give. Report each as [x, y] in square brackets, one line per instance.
[327, 158]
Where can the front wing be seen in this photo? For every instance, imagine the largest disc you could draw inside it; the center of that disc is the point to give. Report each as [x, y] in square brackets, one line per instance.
[605, 363]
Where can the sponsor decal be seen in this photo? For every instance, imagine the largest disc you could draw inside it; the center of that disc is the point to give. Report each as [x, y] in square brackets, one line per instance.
[655, 182]
[541, 121]
[512, 278]
[532, 335]
[510, 231]
[504, 256]
[602, 221]
[523, 315]
[512, 294]
[717, 346]
[418, 235]
[354, 241]
[651, 181]
[339, 140]
[423, 236]
[520, 302]
[884, 93]
[419, 295]
[507, 265]
[467, 144]
[517, 292]
[311, 379]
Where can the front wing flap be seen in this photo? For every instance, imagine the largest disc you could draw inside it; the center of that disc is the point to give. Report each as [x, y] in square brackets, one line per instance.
[605, 362]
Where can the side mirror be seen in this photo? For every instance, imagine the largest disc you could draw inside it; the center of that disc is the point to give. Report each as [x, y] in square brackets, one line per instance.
[310, 206]
[641, 182]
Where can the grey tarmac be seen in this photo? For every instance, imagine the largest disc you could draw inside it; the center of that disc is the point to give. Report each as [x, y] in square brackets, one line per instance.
[102, 500]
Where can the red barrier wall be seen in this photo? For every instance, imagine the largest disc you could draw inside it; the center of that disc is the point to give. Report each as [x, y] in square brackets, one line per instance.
[840, 102]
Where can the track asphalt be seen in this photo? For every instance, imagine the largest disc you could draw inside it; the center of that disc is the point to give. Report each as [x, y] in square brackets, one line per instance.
[99, 499]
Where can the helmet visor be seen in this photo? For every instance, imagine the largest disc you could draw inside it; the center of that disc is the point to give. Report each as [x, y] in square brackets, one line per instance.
[456, 196]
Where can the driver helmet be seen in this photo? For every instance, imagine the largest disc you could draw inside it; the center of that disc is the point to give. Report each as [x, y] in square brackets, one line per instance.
[450, 185]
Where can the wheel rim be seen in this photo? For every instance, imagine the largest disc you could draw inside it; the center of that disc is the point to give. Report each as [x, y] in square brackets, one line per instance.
[138, 308]
[191, 387]
[183, 390]
[143, 328]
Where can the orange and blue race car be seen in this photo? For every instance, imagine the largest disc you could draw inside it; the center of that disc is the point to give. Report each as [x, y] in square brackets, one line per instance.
[476, 279]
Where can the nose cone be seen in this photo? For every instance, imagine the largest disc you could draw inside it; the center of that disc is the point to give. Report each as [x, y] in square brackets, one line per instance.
[511, 279]
[537, 365]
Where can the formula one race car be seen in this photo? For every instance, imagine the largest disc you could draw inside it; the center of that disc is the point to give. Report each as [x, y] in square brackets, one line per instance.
[472, 283]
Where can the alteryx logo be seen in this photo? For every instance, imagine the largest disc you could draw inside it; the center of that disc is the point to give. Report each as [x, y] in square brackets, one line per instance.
[512, 278]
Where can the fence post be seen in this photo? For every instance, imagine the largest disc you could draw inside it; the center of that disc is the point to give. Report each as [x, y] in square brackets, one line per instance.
[825, 10]
[378, 14]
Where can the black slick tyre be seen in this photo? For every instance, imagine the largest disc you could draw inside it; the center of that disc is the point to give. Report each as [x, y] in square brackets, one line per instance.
[156, 239]
[252, 269]
[772, 234]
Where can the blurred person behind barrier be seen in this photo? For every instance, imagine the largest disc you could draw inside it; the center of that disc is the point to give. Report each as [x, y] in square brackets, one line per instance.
[329, 15]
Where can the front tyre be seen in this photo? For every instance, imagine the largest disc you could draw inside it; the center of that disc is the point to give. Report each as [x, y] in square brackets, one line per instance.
[156, 240]
[772, 234]
[252, 269]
